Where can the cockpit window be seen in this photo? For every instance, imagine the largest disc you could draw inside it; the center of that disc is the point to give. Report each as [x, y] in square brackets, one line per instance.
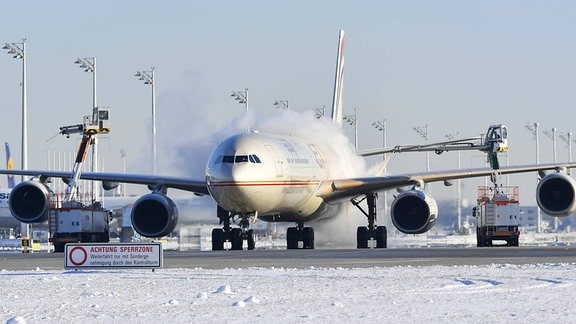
[241, 158]
[252, 158]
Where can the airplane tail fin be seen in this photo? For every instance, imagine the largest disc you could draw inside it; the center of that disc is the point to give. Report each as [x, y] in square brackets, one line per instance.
[9, 166]
[338, 83]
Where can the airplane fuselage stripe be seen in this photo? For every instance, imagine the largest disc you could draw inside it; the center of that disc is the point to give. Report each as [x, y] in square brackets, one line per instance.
[263, 184]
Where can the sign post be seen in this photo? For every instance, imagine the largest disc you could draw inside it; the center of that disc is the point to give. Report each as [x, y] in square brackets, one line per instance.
[119, 255]
[26, 245]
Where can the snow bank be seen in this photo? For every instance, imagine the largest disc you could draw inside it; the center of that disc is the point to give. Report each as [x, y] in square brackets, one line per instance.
[493, 293]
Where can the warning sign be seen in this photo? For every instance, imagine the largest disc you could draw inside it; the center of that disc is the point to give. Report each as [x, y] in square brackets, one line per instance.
[121, 255]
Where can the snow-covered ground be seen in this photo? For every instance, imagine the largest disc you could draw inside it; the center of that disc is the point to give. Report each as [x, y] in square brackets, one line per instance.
[495, 293]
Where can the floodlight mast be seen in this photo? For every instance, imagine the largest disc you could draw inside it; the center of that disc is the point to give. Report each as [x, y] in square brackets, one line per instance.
[534, 130]
[148, 78]
[458, 185]
[19, 52]
[89, 65]
[242, 97]
[282, 104]
[382, 126]
[353, 121]
[423, 131]
[320, 112]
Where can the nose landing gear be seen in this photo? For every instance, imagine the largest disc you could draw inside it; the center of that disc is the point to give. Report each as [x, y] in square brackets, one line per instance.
[235, 236]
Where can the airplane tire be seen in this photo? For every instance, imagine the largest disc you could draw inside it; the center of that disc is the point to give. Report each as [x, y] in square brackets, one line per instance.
[250, 240]
[308, 237]
[292, 238]
[217, 239]
[236, 239]
[362, 237]
[381, 237]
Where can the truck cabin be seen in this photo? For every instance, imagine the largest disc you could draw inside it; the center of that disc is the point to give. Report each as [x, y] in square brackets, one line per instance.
[497, 138]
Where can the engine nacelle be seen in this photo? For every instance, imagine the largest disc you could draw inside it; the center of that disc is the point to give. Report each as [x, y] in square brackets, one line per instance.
[154, 215]
[414, 212]
[29, 202]
[556, 194]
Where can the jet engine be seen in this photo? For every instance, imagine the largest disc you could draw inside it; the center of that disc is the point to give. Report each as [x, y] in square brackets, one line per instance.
[29, 202]
[556, 194]
[154, 215]
[414, 212]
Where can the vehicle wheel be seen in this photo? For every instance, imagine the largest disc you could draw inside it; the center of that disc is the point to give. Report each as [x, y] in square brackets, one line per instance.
[217, 239]
[292, 238]
[479, 239]
[251, 240]
[308, 237]
[58, 247]
[362, 237]
[236, 239]
[381, 237]
[514, 242]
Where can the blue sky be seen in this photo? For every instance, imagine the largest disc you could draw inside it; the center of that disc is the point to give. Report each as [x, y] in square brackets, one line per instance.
[457, 66]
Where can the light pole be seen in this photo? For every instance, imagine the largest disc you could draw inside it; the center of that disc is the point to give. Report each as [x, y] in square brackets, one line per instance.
[19, 52]
[382, 126]
[282, 104]
[552, 136]
[423, 131]
[353, 120]
[534, 130]
[567, 138]
[320, 112]
[123, 156]
[458, 185]
[89, 65]
[148, 78]
[241, 97]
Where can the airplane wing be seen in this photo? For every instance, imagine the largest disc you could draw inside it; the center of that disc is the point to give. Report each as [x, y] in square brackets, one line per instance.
[329, 190]
[196, 186]
[336, 190]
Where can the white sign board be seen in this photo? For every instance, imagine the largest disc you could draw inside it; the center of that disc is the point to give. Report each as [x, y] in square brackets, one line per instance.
[113, 255]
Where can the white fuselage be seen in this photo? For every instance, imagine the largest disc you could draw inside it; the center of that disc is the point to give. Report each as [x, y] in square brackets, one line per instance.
[274, 176]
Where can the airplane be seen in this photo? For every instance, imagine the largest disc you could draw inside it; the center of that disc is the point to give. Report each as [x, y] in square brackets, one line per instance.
[280, 177]
[6, 219]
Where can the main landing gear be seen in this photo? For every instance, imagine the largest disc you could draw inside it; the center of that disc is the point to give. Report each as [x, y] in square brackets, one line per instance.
[364, 234]
[235, 236]
[295, 235]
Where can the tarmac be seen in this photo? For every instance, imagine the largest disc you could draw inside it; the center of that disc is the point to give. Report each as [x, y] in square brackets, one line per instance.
[325, 258]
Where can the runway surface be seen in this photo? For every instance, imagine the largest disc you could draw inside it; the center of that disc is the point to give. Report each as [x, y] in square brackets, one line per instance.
[347, 258]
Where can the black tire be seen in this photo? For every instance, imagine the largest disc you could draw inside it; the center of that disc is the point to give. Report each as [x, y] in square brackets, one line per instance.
[217, 239]
[236, 239]
[292, 238]
[381, 237]
[362, 237]
[58, 247]
[251, 240]
[308, 237]
[479, 239]
[514, 242]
